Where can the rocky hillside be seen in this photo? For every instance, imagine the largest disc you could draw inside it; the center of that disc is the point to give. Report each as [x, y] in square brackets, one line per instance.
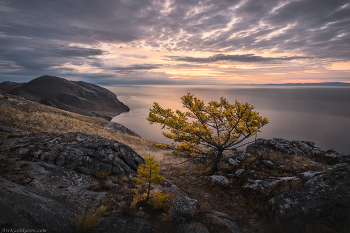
[50, 161]
[79, 97]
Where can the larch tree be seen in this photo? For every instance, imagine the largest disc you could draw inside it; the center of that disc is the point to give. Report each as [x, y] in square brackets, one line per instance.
[206, 131]
[149, 172]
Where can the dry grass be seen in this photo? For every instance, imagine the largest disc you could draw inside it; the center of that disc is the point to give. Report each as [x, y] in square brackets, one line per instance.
[34, 118]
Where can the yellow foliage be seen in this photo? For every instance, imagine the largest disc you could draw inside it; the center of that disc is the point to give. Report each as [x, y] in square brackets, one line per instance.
[137, 198]
[251, 160]
[102, 174]
[87, 222]
[207, 129]
[158, 200]
[183, 173]
[149, 172]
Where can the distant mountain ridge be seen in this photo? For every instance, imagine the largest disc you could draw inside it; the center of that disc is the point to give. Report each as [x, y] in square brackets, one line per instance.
[312, 84]
[74, 96]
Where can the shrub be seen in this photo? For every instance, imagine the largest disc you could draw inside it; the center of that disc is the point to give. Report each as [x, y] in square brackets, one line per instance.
[251, 160]
[157, 199]
[102, 177]
[87, 222]
[102, 174]
[149, 173]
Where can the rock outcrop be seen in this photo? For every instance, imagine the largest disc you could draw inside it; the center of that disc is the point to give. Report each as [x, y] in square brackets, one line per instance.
[28, 208]
[296, 147]
[78, 151]
[324, 201]
[79, 97]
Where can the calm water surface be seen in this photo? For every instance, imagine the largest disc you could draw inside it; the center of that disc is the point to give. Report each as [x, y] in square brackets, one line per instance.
[318, 114]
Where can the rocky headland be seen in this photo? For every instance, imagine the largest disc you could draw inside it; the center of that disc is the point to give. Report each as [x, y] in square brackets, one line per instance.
[74, 96]
[49, 158]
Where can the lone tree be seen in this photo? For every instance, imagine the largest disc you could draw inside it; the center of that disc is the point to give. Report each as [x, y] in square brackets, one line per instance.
[206, 131]
[149, 173]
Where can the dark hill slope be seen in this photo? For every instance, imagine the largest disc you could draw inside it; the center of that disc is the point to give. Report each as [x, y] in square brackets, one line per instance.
[79, 97]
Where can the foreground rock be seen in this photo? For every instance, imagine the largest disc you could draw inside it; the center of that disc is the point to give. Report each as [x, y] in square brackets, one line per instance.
[79, 97]
[78, 151]
[323, 202]
[222, 223]
[182, 207]
[25, 207]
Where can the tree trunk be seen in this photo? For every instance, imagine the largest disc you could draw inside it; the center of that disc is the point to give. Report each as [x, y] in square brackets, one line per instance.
[214, 168]
[149, 183]
[149, 187]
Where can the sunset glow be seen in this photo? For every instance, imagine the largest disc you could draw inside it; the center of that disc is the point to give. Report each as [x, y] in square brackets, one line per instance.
[176, 41]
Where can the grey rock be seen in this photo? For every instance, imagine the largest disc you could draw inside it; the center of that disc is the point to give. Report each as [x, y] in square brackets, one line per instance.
[233, 162]
[221, 215]
[120, 129]
[25, 207]
[83, 152]
[241, 173]
[123, 225]
[262, 186]
[296, 147]
[308, 174]
[268, 162]
[194, 227]
[278, 144]
[324, 200]
[182, 207]
[222, 224]
[218, 179]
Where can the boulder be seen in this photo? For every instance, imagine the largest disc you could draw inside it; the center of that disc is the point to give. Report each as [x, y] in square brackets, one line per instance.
[220, 223]
[308, 174]
[323, 201]
[194, 227]
[262, 186]
[218, 179]
[182, 207]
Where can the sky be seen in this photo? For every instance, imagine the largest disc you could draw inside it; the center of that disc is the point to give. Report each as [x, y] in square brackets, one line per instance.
[176, 41]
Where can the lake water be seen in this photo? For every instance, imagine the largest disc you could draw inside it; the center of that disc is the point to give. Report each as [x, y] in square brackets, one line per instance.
[318, 114]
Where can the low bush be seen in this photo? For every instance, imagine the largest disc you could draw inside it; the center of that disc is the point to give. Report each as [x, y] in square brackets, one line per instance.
[87, 222]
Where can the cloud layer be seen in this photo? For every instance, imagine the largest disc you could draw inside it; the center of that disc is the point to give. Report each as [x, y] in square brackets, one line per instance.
[174, 41]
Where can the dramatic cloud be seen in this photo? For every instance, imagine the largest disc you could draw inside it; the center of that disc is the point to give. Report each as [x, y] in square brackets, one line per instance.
[246, 58]
[138, 67]
[228, 41]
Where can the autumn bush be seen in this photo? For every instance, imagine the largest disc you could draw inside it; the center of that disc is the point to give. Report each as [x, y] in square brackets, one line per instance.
[87, 222]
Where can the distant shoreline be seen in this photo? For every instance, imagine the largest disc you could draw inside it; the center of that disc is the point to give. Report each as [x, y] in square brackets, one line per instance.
[325, 84]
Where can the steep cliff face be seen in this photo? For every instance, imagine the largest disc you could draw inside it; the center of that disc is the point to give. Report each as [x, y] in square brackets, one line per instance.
[79, 97]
